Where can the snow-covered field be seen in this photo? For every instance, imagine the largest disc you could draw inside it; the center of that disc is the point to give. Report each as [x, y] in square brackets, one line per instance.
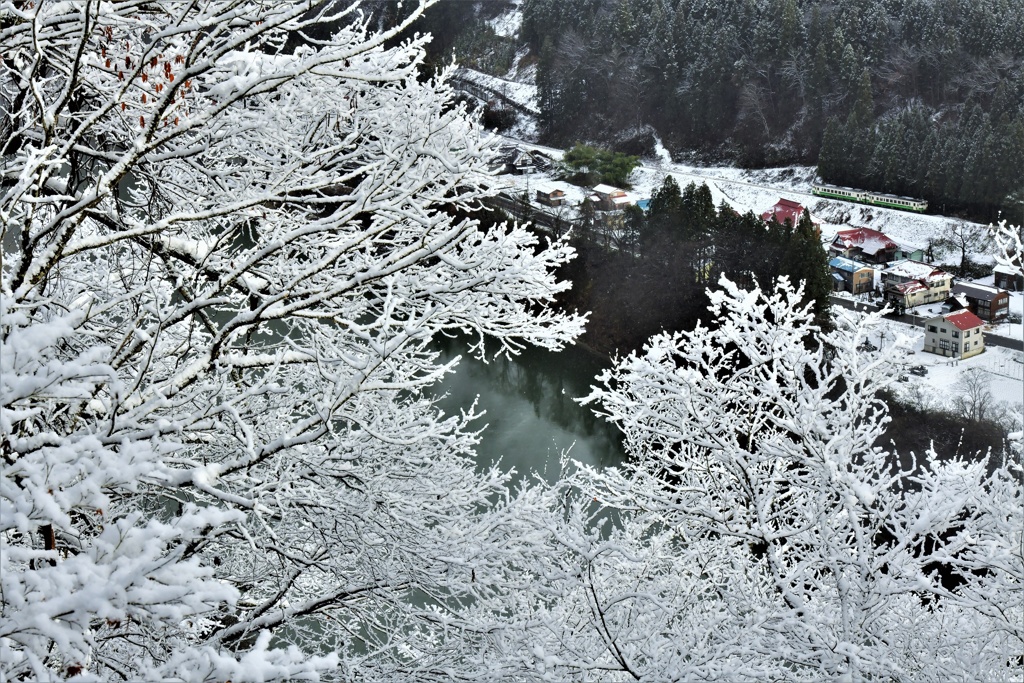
[1003, 368]
[507, 24]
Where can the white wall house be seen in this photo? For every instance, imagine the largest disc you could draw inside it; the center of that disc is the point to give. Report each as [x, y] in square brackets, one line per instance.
[955, 335]
[912, 283]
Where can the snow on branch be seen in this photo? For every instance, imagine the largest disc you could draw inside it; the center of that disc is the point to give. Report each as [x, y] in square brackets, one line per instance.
[230, 237]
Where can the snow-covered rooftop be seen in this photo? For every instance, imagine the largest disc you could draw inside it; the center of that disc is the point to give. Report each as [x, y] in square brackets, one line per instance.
[548, 188]
[867, 240]
[977, 291]
[915, 270]
[847, 264]
[964, 320]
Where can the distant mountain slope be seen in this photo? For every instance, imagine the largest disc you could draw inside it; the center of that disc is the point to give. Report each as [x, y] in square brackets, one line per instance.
[906, 96]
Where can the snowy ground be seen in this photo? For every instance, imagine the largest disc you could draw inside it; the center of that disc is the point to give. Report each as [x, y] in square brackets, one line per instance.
[523, 94]
[1003, 367]
[507, 24]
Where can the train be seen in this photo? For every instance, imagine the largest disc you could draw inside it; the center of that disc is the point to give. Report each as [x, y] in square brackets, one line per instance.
[850, 194]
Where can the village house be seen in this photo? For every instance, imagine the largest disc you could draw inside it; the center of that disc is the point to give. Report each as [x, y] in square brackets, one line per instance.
[988, 303]
[608, 198]
[906, 284]
[850, 276]
[519, 161]
[910, 252]
[1008, 277]
[864, 245]
[550, 195]
[788, 210]
[955, 335]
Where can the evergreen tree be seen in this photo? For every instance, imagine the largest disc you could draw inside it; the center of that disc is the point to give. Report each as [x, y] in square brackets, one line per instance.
[806, 262]
[863, 113]
[832, 160]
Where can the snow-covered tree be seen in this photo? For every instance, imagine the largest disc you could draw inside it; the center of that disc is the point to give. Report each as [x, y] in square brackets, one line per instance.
[225, 253]
[757, 533]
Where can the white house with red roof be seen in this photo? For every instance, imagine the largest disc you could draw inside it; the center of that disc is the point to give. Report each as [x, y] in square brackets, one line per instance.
[907, 284]
[864, 245]
[788, 210]
[955, 335]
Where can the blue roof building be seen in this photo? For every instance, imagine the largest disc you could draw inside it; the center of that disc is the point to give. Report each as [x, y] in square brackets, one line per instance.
[850, 276]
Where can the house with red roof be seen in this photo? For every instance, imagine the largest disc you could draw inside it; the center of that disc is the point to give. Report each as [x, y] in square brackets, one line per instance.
[864, 245]
[788, 210]
[955, 335]
[906, 284]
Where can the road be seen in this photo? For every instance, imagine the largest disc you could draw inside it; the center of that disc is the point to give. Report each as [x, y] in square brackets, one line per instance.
[918, 321]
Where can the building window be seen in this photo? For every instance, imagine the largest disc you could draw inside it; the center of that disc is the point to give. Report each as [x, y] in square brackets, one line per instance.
[944, 344]
[956, 334]
[956, 348]
[932, 328]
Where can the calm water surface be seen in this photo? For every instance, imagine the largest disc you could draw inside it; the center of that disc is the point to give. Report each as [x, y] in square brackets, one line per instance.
[530, 412]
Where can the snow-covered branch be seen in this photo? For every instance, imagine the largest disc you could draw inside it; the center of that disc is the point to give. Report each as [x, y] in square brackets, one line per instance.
[228, 242]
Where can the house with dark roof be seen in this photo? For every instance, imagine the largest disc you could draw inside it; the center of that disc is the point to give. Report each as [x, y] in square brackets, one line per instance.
[864, 245]
[1008, 277]
[850, 276]
[519, 161]
[955, 335]
[988, 303]
[906, 284]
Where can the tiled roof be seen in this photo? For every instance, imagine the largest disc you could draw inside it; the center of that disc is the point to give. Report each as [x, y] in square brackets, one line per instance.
[916, 270]
[964, 320]
[976, 291]
[846, 264]
[867, 240]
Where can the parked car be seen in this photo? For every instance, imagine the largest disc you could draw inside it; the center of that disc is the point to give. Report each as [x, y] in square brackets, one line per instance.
[919, 370]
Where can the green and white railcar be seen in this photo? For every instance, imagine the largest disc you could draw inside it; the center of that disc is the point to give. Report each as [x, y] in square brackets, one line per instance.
[876, 198]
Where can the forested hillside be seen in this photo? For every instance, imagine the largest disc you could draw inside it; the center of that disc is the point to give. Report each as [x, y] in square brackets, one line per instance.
[917, 97]
[657, 276]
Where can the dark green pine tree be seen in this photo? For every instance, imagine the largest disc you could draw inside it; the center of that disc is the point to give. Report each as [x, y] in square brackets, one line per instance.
[860, 133]
[634, 226]
[863, 113]
[806, 262]
[666, 204]
[816, 94]
[833, 158]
